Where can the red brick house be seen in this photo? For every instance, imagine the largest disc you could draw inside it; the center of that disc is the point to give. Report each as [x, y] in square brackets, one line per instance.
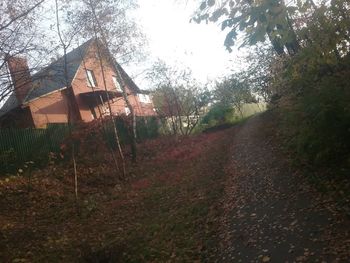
[43, 97]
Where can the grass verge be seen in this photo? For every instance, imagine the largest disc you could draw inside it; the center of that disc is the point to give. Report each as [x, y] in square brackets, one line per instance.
[166, 213]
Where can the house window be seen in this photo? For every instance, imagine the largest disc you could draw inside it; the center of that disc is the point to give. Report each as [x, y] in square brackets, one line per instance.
[116, 84]
[127, 110]
[144, 98]
[91, 80]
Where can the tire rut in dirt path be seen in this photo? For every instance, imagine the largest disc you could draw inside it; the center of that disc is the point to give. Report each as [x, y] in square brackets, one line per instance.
[271, 213]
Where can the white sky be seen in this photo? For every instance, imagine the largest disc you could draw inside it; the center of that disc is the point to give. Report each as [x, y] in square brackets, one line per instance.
[172, 38]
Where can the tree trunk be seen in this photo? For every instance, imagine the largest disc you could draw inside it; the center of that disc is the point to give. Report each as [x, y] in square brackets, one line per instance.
[133, 115]
[69, 105]
[120, 79]
[110, 111]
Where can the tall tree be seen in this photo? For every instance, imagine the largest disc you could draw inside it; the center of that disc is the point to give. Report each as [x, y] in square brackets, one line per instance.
[256, 20]
[288, 25]
[108, 21]
[113, 19]
[18, 32]
[233, 91]
[260, 74]
[65, 43]
[177, 97]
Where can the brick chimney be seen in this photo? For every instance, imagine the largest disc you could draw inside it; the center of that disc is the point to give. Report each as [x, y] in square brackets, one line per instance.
[20, 75]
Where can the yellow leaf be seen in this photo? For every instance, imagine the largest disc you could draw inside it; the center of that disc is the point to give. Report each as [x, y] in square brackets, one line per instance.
[266, 259]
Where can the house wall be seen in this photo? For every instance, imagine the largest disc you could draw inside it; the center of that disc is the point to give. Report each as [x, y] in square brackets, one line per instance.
[80, 85]
[51, 108]
[142, 109]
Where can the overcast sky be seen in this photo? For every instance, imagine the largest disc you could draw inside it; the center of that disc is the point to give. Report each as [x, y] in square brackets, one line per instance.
[175, 40]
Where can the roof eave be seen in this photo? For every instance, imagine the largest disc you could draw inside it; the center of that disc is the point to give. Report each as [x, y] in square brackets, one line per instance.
[25, 103]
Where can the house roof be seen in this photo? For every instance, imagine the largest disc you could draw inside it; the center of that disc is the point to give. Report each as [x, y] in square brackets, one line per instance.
[10, 104]
[52, 78]
[129, 82]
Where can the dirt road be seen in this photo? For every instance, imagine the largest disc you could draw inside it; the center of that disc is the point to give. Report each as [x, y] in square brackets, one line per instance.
[272, 214]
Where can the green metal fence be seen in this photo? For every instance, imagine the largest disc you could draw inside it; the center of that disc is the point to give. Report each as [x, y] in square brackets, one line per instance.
[18, 146]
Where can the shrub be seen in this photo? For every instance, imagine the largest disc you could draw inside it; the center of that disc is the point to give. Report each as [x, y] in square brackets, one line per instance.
[318, 119]
[218, 114]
